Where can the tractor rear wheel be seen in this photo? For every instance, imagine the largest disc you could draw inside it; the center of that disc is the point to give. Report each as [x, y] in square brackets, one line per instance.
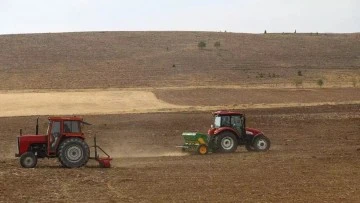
[28, 160]
[226, 142]
[73, 153]
[261, 144]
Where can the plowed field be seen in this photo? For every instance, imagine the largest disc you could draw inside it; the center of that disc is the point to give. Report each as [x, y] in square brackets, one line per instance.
[314, 157]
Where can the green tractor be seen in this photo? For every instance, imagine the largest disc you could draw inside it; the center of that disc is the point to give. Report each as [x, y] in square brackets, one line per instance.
[225, 135]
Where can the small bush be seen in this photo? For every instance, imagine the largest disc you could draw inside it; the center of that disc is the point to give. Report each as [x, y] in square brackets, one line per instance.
[202, 45]
[217, 44]
[298, 83]
[300, 73]
[354, 82]
[320, 82]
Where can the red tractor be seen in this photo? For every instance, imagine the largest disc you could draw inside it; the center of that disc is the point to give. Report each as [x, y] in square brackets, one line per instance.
[225, 135]
[64, 140]
[229, 131]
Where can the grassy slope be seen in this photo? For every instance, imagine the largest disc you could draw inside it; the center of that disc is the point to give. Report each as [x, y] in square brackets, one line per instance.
[142, 59]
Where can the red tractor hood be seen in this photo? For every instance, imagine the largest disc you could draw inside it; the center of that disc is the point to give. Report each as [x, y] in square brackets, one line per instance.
[252, 131]
[34, 138]
[25, 141]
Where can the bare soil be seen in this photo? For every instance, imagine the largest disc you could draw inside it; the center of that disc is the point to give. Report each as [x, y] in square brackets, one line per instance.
[233, 96]
[157, 59]
[141, 90]
[314, 158]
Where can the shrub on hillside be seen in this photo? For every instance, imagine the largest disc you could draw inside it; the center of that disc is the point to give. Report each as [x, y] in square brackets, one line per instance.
[354, 82]
[320, 82]
[217, 44]
[299, 83]
[202, 45]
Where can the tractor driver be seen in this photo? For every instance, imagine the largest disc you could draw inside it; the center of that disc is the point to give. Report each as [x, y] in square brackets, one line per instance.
[55, 133]
[226, 121]
[66, 128]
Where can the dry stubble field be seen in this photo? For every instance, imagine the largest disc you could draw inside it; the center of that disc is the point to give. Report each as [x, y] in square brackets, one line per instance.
[314, 158]
[315, 149]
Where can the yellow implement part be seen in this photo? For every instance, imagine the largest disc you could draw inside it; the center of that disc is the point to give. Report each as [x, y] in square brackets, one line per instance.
[203, 149]
[201, 141]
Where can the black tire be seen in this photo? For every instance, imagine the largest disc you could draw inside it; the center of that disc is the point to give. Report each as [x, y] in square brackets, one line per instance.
[28, 160]
[261, 143]
[226, 142]
[73, 153]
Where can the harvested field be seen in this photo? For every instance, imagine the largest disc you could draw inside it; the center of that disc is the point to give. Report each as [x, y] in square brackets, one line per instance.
[78, 102]
[141, 90]
[75, 102]
[157, 59]
[314, 158]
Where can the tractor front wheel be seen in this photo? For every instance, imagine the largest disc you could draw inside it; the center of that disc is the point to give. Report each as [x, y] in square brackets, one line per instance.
[261, 144]
[226, 142]
[28, 160]
[73, 153]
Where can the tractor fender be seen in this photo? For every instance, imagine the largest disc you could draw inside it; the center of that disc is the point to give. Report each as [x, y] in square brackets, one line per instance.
[252, 133]
[65, 137]
[223, 129]
[68, 136]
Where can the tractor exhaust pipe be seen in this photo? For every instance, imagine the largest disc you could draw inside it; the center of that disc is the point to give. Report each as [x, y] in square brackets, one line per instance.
[37, 127]
[96, 154]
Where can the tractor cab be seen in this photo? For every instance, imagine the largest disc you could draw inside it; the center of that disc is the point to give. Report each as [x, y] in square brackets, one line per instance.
[60, 127]
[233, 120]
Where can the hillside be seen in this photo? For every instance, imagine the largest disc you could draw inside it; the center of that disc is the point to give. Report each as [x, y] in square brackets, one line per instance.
[155, 59]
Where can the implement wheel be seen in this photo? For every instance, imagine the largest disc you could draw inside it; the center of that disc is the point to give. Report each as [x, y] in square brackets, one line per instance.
[202, 149]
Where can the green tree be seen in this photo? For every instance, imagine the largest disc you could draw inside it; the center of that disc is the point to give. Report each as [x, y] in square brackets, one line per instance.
[217, 44]
[202, 45]
[320, 82]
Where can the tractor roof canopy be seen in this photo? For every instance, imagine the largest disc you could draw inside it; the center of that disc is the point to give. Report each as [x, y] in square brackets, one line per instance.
[227, 113]
[68, 118]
